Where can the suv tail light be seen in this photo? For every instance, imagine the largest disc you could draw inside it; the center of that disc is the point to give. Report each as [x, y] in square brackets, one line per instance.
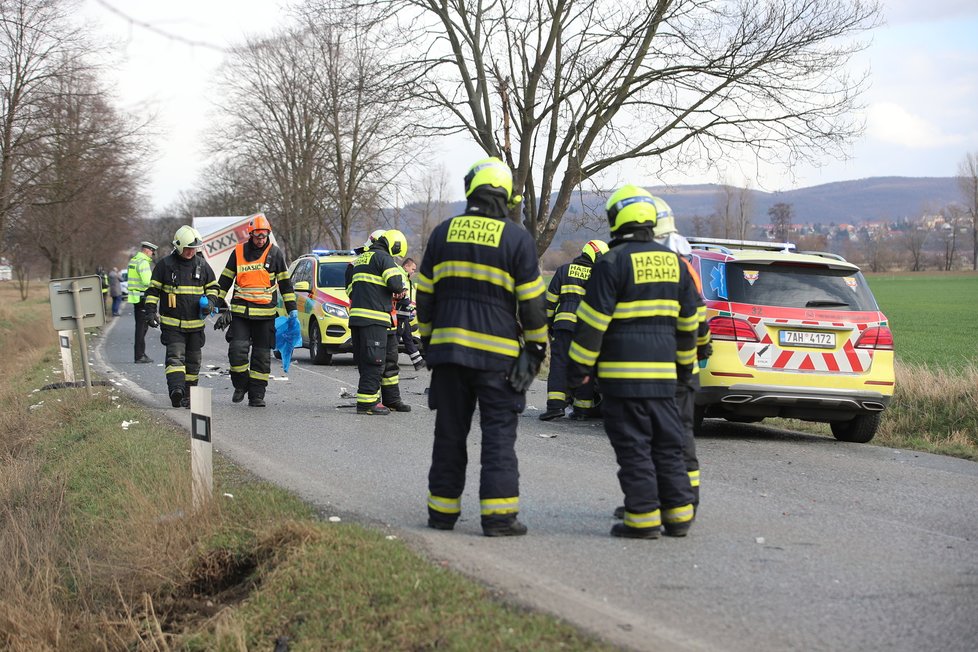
[731, 328]
[876, 337]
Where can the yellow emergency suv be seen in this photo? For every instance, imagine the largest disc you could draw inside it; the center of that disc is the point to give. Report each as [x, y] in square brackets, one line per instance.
[796, 334]
[322, 302]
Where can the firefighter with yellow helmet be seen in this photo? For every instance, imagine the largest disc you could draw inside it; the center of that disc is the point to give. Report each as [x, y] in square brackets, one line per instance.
[479, 297]
[257, 270]
[376, 284]
[636, 330]
[173, 301]
[563, 296]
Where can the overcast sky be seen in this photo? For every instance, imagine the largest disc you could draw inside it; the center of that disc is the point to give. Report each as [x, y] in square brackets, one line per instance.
[921, 117]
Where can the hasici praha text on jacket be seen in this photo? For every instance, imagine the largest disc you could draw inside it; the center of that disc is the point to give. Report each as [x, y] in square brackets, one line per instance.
[637, 324]
[477, 273]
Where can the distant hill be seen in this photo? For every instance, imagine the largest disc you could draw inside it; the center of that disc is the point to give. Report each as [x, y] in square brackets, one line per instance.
[843, 202]
[849, 202]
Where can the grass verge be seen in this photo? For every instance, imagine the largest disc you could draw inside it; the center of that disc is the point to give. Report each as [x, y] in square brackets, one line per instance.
[100, 548]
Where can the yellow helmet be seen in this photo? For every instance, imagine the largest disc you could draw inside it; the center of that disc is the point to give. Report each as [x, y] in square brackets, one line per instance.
[396, 242]
[632, 206]
[490, 172]
[187, 237]
[593, 249]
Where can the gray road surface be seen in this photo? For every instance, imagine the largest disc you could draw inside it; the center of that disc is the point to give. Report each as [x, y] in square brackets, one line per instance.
[801, 542]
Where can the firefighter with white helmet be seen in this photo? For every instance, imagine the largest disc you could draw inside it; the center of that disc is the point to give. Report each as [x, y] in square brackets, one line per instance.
[257, 270]
[376, 284]
[178, 283]
[636, 330]
[563, 297]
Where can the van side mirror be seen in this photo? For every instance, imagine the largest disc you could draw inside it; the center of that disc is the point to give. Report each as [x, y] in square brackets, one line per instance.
[301, 286]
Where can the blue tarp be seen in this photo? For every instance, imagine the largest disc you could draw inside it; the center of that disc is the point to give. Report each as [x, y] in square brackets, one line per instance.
[287, 337]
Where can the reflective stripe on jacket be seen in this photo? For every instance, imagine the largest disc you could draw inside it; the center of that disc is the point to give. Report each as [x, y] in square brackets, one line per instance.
[638, 320]
[140, 273]
[566, 291]
[175, 290]
[479, 290]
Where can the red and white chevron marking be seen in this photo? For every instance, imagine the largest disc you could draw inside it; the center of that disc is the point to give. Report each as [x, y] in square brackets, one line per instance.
[766, 354]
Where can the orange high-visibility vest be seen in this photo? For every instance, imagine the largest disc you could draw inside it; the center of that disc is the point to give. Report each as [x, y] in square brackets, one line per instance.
[252, 281]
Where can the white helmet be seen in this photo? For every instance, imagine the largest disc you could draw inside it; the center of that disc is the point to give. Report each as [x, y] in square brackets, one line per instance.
[187, 237]
[374, 235]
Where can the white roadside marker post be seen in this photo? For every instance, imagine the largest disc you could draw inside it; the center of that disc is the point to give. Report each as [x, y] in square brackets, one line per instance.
[201, 453]
[67, 364]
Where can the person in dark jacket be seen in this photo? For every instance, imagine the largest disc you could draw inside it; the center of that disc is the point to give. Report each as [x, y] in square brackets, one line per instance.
[563, 296]
[483, 328]
[257, 270]
[376, 284]
[173, 304]
[636, 329]
[407, 319]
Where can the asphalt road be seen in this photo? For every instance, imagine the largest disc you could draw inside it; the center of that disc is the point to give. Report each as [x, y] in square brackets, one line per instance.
[800, 542]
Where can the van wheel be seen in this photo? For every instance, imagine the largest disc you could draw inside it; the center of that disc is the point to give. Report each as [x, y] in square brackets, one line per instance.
[859, 430]
[317, 351]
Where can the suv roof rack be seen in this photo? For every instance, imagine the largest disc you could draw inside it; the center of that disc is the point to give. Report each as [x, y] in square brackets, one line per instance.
[725, 246]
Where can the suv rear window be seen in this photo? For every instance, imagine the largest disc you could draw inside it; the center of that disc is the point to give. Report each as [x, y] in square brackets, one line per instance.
[786, 286]
[332, 274]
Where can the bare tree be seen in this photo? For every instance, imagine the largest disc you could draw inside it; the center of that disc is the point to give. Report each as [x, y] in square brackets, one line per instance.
[38, 44]
[726, 210]
[431, 206]
[568, 90]
[781, 215]
[968, 183]
[952, 217]
[745, 206]
[913, 238]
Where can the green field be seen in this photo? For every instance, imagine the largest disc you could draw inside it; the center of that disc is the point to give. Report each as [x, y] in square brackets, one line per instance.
[932, 316]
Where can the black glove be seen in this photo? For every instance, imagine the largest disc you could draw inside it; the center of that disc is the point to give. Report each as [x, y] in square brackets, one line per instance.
[526, 366]
[704, 351]
[215, 304]
[223, 321]
[152, 319]
[684, 374]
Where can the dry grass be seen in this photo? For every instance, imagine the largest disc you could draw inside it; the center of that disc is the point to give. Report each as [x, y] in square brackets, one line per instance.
[100, 549]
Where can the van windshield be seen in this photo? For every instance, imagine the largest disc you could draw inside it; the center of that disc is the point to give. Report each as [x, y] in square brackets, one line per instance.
[787, 286]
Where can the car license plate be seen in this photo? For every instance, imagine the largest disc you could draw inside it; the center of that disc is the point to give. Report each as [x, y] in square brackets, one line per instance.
[807, 338]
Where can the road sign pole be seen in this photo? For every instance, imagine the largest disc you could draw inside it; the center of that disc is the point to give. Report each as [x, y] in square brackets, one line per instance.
[80, 327]
[201, 448]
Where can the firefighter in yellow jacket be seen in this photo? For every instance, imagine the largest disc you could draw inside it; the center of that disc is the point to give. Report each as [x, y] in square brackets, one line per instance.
[257, 269]
[636, 328]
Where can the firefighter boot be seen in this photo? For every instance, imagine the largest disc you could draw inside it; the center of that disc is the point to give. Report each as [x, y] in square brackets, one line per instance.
[503, 528]
[620, 512]
[554, 411]
[627, 532]
[400, 406]
[176, 396]
[367, 408]
[256, 401]
[238, 395]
